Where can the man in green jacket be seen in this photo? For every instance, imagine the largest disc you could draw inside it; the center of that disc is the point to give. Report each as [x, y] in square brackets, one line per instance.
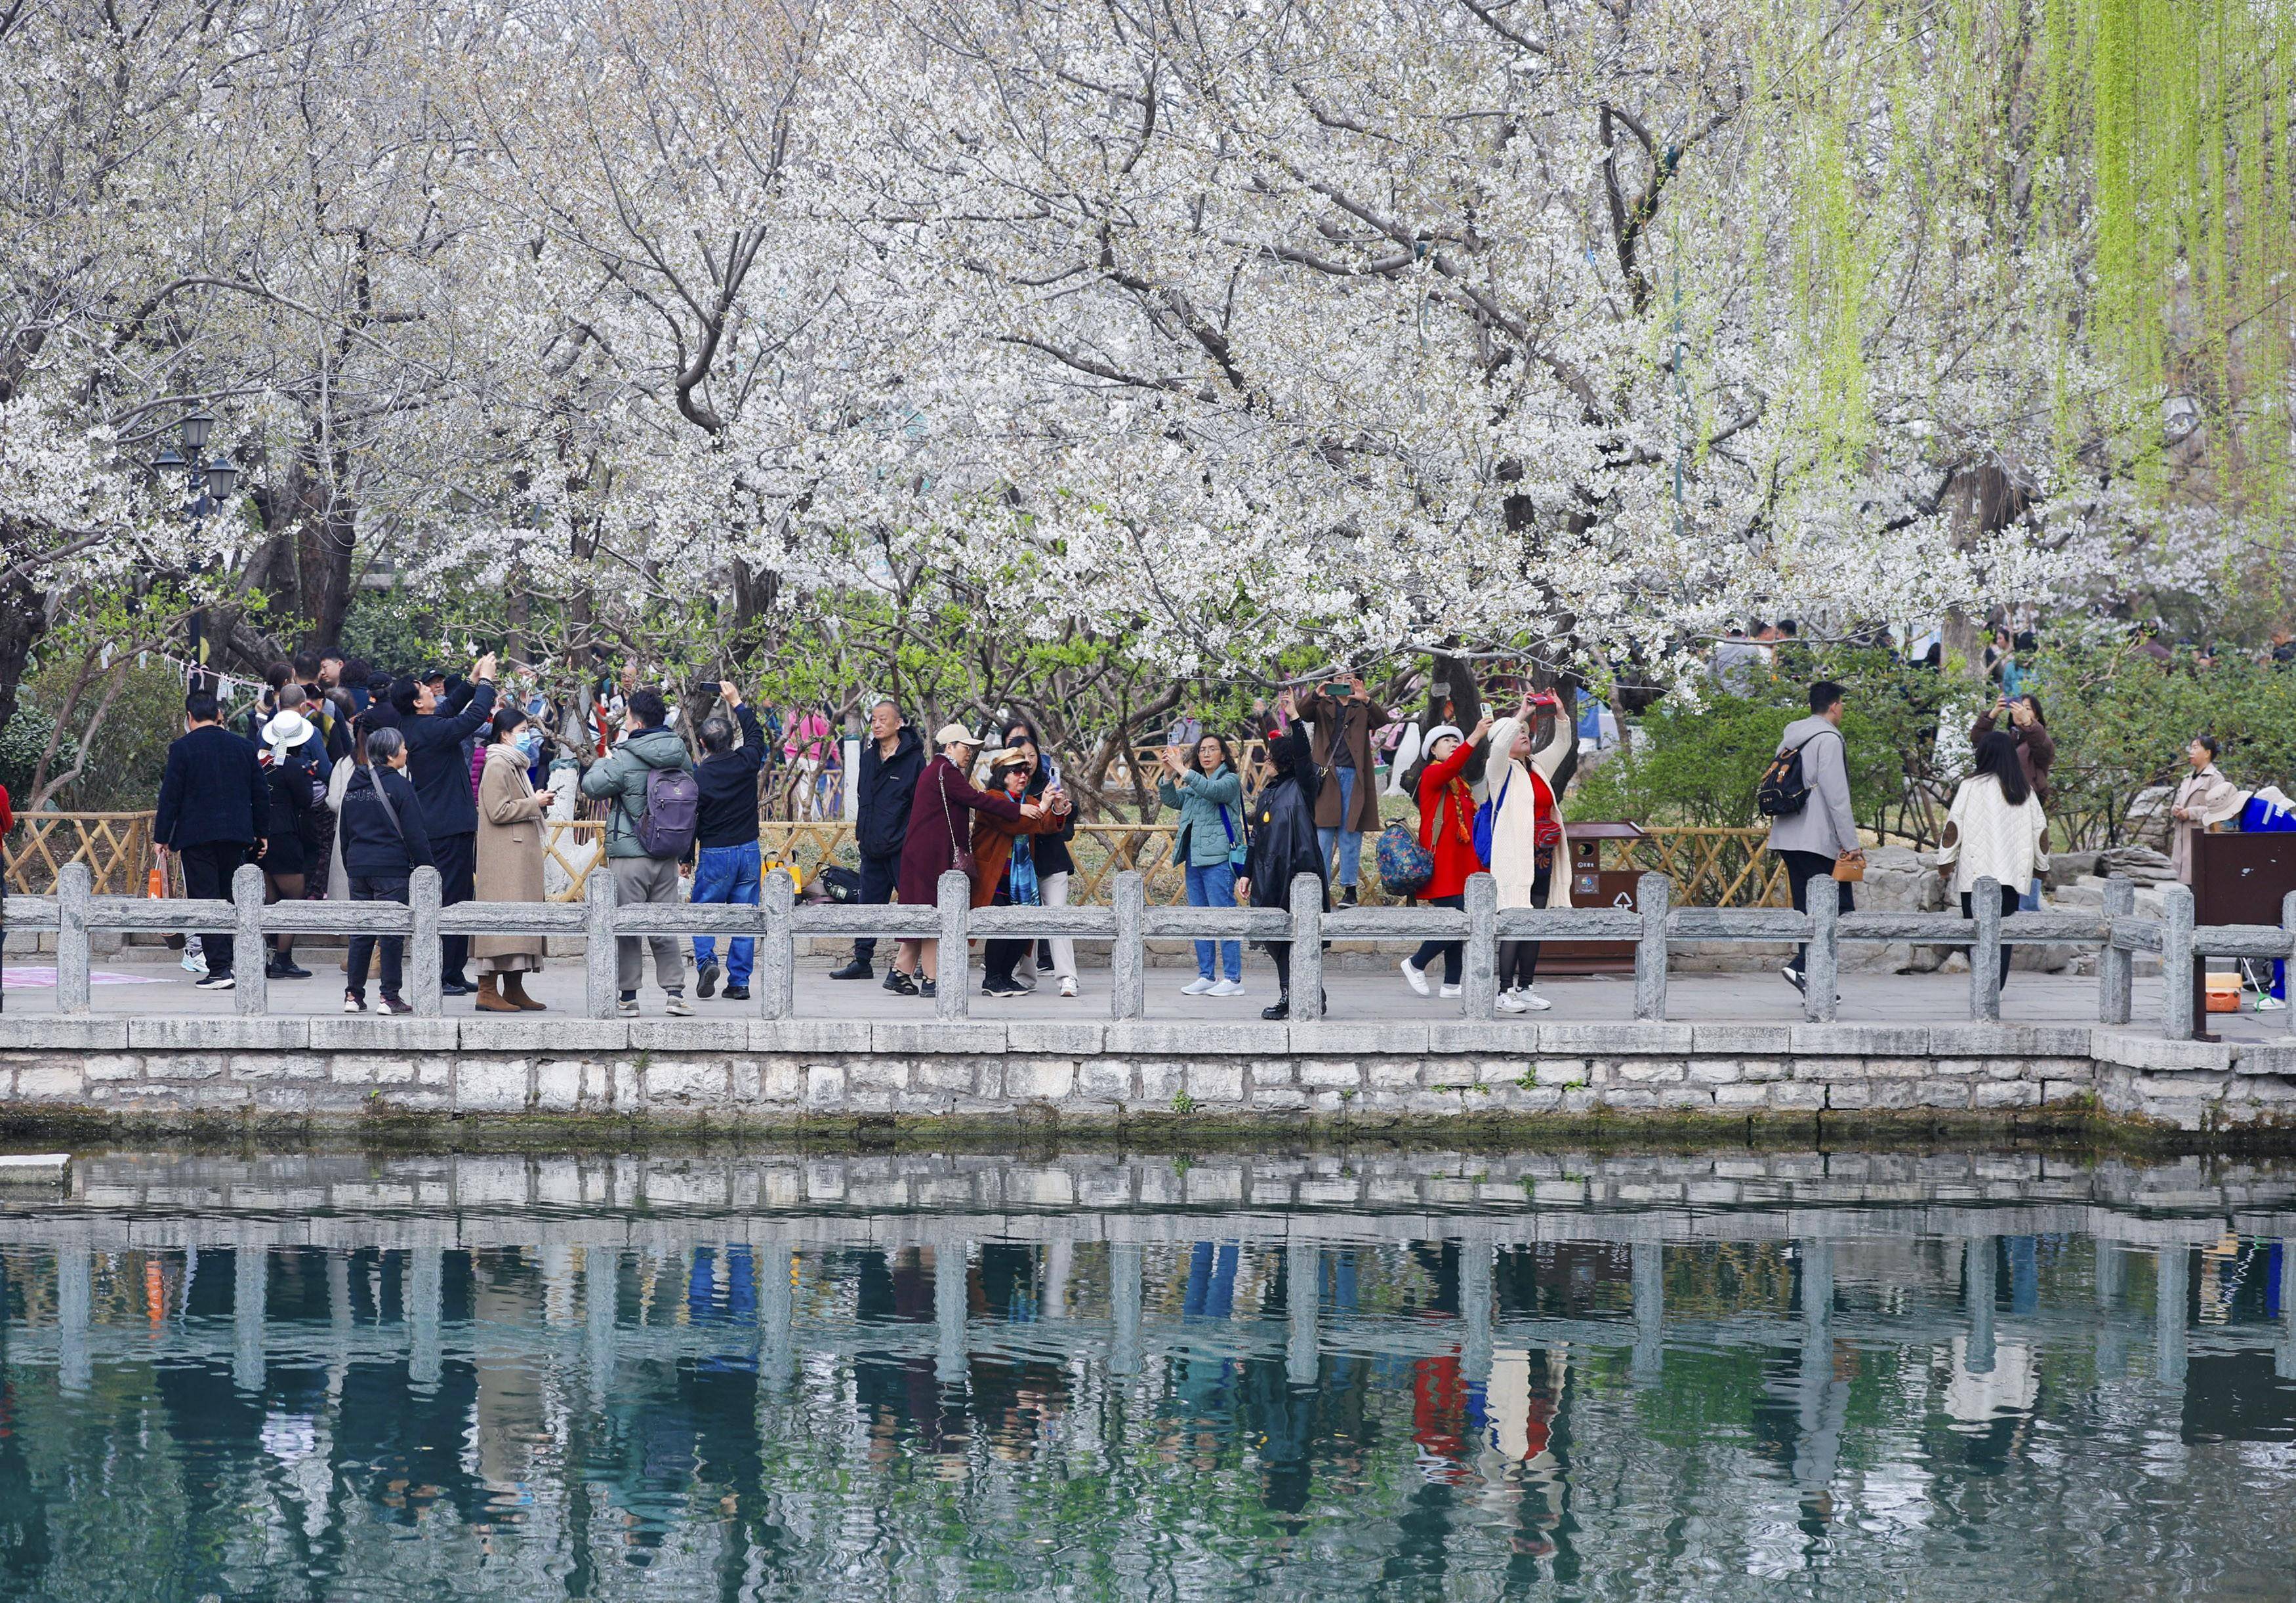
[638, 877]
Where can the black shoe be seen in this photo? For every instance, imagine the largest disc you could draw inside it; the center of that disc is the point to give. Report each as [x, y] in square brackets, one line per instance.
[899, 984]
[927, 989]
[1280, 1008]
[737, 993]
[457, 987]
[705, 984]
[856, 969]
[277, 969]
[1794, 978]
[992, 988]
[1347, 895]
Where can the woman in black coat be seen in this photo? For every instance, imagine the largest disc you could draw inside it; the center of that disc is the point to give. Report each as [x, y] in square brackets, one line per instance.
[1283, 845]
[292, 777]
[1054, 863]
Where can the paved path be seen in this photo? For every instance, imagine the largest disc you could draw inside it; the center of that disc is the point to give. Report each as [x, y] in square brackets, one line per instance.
[1355, 993]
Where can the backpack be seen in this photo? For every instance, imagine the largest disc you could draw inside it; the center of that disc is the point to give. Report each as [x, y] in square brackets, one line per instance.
[673, 813]
[1483, 816]
[1405, 868]
[1783, 792]
[836, 883]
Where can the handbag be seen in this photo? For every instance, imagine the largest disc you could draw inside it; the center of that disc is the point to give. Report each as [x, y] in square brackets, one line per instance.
[1484, 814]
[1238, 846]
[1405, 868]
[961, 856]
[1848, 869]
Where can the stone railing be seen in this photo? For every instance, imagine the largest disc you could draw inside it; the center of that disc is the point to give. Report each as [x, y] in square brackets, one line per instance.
[952, 923]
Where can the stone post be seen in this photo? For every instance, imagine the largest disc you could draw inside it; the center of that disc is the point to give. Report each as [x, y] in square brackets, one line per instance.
[1654, 897]
[1649, 1361]
[953, 901]
[250, 1289]
[1479, 993]
[1128, 960]
[602, 1294]
[2284, 1361]
[598, 942]
[426, 1297]
[776, 977]
[2172, 1284]
[74, 1303]
[75, 887]
[424, 956]
[1124, 1308]
[1985, 952]
[1977, 1279]
[849, 785]
[250, 959]
[1306, 948]
[949, 1295]
[2177, 959]
[1302, 1267]
[2111, 1346]
[2115, 967]
[776, 1353]
[1060, 1262]
[2288, 1015]
[1823, 976]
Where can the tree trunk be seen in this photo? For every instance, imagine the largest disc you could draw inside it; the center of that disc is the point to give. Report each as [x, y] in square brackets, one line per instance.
[23, 620]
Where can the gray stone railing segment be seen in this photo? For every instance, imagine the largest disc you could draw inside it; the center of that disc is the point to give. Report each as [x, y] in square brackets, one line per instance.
[775, 976]
[1307, 989]
[953, 898]
[1985, 952]
[250, 959]
[1821, 969]
[1128, 923]
[2176, 955]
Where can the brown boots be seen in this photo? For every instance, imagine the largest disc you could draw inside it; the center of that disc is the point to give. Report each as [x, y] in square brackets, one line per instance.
[505, 993]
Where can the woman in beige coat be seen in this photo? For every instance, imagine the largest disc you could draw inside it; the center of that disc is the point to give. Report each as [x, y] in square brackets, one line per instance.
[511, 812]
[1531, 871]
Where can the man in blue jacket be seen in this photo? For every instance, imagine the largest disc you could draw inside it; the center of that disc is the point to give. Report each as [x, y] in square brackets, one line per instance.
[440, 765]
[214, 807]
[892, 759]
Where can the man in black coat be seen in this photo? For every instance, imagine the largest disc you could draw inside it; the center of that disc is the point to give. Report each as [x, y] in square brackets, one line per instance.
[439, 762]
[892, 759]
[214, 809]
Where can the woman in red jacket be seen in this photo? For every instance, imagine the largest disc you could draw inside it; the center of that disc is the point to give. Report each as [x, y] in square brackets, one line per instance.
[1447, 830]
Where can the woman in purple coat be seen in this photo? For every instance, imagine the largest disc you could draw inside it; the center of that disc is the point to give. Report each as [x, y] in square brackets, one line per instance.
[938, 828]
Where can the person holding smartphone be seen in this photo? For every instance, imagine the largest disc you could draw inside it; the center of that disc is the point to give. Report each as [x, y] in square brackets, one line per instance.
[1345, 716]
[2036, 752]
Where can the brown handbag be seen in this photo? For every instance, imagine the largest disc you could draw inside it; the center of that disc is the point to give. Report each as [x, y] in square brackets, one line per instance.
[1848, 869]
[961, 855]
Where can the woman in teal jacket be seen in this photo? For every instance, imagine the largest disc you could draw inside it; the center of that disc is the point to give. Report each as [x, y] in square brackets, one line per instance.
[1206, 790]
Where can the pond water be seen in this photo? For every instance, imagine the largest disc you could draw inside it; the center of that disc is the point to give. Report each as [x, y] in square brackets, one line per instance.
[1960, 1376]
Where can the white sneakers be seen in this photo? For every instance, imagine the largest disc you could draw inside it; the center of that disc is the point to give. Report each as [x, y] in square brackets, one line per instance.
[1508, 1002]
[1068, 984]
[1522, 1000]
[1449, 990]
[1226, 987]
[1416, 979]
[1201, 986]
[1197, 986]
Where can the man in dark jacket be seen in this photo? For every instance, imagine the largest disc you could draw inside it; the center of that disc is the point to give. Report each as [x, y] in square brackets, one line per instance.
[215, 806]
[890, 761]
[384, 842]
[725, 837]
[438, 763]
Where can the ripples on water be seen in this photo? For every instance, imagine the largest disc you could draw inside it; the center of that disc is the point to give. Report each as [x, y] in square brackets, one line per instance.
[342, 1381]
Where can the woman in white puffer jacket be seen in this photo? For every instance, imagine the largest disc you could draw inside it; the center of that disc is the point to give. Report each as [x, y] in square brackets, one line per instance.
[1996, 829]
[1520, 785]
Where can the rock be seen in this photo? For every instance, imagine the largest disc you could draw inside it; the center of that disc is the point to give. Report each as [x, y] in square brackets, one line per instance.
[1897, 879]
[2070, 868]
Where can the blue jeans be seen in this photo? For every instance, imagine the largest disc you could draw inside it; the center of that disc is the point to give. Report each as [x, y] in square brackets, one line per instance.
[726, 873]
[1213, 884]
[1350, 841]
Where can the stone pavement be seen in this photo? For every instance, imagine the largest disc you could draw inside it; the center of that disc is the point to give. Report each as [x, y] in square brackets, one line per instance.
[1354, 994]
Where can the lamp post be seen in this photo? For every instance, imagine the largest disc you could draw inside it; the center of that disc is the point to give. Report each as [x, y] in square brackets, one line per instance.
[206, 488]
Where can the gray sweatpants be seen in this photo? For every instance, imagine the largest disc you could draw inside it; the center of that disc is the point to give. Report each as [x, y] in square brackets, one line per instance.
[646, 880]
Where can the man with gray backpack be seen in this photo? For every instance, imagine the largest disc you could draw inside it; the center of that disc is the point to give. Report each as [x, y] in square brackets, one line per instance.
[1804, 793]
[656, 809]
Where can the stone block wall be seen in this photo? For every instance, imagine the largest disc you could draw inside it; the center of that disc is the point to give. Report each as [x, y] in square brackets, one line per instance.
[788, 1075]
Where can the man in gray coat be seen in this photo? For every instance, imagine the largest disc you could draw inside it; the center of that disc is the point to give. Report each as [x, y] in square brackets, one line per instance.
[639, 876]
[1822, 832]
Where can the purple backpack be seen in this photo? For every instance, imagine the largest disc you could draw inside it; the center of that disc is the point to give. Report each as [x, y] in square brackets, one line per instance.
[673, 812]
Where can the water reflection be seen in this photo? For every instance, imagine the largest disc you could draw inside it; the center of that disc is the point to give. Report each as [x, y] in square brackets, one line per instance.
[616, 1400]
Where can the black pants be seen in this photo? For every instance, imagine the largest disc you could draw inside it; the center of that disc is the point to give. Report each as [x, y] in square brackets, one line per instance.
[1801, 868]
[456, 857]
[2010, 894]
[208, 869]
[1519, 960]
[391, 887]
[1279, 953]
[879, 875]
[1449, 951]
[998, 959]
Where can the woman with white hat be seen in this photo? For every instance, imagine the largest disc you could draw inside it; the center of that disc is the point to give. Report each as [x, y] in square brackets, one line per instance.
[939, 826]
[292, 774]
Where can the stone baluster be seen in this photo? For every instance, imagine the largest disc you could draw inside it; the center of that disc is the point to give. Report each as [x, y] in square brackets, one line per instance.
[1649, 1360]
[2172, 1286]
[1479, 993]
[2116, 967]
[1128, 960]
[1985, 952]
[598, 987]
[250, 959]
[1124, 1307]
[1654, 899]
[2177, 959]
[1302, 1296]
[777, 975]
[1306, 948]
[950, 1295]
[75, 889]
[250, 1289]
[423, 956]
[953, 901]
[1823, 976]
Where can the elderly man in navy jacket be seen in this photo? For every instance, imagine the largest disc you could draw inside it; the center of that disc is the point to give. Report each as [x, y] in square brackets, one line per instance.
[214, 807]
[439, 762]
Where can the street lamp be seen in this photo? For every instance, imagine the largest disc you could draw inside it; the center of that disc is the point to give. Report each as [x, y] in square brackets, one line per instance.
[207, 486]
[196, 429]
[222, 474]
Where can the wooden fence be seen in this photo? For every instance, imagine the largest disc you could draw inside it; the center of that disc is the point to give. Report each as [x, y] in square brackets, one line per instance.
[1128, 923]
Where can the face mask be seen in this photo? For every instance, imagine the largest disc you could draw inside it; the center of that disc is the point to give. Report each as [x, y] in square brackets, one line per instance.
[530, 744]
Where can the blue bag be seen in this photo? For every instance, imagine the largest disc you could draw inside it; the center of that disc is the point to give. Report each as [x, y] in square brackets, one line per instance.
[1406, 867]
[1483, 816]
[1239, 847]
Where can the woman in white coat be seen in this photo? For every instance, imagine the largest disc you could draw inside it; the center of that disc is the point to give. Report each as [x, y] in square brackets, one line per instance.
[1531, 854]
[1996, 829]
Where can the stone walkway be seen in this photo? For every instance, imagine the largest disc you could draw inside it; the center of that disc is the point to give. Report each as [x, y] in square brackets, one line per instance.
[1357, 994]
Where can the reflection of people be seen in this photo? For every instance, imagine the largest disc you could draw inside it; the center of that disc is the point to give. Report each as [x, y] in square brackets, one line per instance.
[2205, 798]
